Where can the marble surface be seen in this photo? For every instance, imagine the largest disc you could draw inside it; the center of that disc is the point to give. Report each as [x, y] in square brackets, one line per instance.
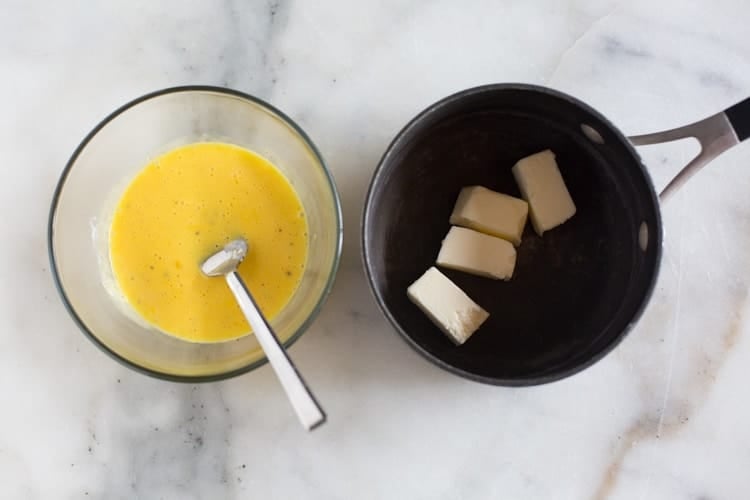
[665, 416]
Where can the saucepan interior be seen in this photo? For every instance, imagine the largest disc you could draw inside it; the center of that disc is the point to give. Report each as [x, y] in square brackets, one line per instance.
[575, 292]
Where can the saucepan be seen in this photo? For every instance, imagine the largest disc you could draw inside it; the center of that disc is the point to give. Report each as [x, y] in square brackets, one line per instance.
[578, 290]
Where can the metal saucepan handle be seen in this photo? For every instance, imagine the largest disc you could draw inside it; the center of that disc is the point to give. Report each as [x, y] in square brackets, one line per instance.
[715, 134]
[307, 408]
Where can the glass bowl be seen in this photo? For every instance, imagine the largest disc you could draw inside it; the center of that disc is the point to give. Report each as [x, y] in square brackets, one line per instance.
[104, 164]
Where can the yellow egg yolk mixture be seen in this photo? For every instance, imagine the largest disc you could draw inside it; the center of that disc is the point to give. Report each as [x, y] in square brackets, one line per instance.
[184, 206]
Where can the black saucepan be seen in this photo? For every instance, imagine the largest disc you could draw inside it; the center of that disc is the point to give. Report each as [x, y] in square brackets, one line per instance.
[577, 291]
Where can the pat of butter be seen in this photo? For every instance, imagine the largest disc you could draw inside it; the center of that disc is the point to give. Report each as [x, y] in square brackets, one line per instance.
[447, 305]
[490, 212]
[543, 187]
[477, 253]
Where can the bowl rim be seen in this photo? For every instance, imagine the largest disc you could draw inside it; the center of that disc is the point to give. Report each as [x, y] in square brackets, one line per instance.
[71, 163]
[401, 136]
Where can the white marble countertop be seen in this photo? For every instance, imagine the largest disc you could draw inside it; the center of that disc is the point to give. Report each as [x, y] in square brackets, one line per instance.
[665, 416]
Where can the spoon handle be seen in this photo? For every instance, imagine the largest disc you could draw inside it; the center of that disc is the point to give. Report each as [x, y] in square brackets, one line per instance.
[307, 408]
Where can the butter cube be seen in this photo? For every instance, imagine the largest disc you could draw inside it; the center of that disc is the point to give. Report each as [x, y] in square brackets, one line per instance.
[447, 305]
[477, 253]
[542, 185]
[490, 212]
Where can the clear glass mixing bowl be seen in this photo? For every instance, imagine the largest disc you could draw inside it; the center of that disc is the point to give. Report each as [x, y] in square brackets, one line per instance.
[107, 160]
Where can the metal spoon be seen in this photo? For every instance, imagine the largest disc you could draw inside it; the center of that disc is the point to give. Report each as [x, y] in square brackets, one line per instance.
[224, 263]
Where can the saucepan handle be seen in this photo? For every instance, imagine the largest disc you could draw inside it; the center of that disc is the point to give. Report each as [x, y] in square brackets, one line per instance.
[715, 134]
